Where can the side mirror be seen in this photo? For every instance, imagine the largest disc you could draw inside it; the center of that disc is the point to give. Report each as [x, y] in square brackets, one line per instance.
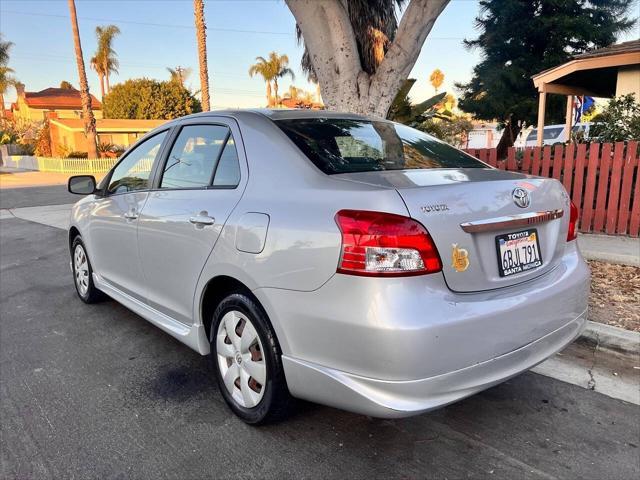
[82, 184]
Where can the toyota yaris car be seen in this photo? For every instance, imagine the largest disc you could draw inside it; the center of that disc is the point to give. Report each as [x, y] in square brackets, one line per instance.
[341, 259]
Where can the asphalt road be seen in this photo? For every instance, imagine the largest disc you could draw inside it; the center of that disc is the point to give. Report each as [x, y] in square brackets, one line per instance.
[97, 392]
[36, 196]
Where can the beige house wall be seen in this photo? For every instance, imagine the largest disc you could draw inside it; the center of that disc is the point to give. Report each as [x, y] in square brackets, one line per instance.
[26, 113]
[629, 81]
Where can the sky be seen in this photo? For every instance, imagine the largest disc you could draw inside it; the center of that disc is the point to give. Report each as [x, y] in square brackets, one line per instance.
[160, 34]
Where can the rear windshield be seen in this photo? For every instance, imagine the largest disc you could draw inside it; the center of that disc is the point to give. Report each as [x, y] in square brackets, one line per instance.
[346, 146]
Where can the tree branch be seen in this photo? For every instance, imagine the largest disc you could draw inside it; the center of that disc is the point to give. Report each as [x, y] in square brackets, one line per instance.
[329, 38]
[415, 25]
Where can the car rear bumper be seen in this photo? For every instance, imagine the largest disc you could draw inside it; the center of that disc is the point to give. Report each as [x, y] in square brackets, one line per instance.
[400, 346]
[394, 399]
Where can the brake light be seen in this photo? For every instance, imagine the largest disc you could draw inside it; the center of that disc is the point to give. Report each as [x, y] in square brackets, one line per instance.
[383, 244]
[572, 234]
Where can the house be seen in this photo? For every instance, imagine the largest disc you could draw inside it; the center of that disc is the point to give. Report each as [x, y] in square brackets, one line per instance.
[606, 72]
[63, 102]
[67, 134]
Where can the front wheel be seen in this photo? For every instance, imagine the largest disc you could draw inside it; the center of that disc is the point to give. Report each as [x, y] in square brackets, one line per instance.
[247, 362]
[83, 273]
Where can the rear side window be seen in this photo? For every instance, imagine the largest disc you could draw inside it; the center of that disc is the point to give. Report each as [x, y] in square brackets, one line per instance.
[228, 171]
[193, 156]
[346, 146]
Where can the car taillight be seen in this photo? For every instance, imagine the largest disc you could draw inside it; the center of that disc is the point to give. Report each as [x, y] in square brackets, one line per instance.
[572, 234]
[383, 244]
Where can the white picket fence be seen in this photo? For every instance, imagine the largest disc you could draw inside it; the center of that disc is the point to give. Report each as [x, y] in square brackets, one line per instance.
[60, 165]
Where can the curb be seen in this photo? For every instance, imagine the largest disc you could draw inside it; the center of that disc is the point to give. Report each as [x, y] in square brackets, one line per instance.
[614, 339]
[617, 258]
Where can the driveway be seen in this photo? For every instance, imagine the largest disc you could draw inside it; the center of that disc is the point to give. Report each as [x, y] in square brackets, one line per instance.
[97, 392]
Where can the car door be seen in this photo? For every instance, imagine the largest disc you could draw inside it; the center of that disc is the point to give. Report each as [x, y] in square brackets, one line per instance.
[114, 217]
[196, 189]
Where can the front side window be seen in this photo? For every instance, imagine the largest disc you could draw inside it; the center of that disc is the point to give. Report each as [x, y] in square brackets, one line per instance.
[193, 156]
[350, 145]
[133, 172]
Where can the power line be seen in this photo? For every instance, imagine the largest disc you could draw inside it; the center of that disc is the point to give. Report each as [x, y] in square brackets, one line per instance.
[191, 27]
[149, 24]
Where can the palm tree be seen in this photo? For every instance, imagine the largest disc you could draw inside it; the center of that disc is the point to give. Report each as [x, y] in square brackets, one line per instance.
[281, 69]
[436, 78]
[105, 61]
[201, 35]
[263, 68]
[85, 96]
[6, 79]
[179, 74]
[271, 70]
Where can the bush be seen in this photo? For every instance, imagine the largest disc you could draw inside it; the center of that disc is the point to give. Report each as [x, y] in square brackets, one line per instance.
[144, 98]
[43, 142]
[452, 131]
[619, 121]
[77, 155]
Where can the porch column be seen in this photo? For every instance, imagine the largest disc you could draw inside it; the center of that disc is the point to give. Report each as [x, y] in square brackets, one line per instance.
[542, 103]
[569, 117]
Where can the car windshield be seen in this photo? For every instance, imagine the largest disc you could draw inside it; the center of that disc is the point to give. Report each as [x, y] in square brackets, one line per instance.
[349, 145]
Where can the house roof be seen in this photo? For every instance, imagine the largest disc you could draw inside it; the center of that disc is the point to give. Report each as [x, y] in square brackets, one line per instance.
[121, 125]
[592, 73]
[52, 98]
[624, 47]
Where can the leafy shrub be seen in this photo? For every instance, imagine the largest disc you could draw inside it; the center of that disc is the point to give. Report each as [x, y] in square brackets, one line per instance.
[77, 155]
[144, 98]
[619, 121]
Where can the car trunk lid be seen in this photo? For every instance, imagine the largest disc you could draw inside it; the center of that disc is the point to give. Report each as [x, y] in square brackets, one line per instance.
[465, 210]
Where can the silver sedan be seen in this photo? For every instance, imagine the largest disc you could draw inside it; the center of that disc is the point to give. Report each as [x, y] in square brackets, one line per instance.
[342, 259]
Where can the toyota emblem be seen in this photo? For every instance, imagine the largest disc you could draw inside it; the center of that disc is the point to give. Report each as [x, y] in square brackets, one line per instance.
[521, 197]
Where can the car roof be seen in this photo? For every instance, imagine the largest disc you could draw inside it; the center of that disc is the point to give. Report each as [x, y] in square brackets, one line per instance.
[280, 114]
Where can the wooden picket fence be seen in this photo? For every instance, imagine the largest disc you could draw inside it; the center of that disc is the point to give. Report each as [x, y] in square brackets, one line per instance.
[72, 165]
[601, 178]
[75, 165]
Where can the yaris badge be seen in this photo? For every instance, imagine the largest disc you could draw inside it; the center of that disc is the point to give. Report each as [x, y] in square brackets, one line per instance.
[521, 197]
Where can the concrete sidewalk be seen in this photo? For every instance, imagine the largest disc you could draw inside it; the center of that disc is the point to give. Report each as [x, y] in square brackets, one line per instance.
[17, 178]
[611, 249]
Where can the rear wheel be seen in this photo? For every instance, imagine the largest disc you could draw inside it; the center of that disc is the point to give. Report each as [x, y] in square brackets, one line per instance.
[83, 273]
[247, 362]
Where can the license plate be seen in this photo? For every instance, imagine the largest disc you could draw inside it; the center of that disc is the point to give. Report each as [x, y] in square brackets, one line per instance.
[518, 252]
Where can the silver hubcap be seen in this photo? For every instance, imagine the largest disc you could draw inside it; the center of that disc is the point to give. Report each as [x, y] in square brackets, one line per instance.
[240, 359]
[81, 270]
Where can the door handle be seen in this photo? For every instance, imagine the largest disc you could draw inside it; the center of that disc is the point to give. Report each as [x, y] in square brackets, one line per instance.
[202, 219]
[130, 215]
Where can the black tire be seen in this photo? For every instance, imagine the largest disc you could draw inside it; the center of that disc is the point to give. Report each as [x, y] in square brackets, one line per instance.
[276, 401]
[92, 294]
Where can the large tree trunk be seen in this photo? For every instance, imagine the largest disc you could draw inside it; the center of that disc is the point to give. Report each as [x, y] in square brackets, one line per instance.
[87, 113]
[1, 105]
[509, 134]
[331, 43]
[201, 34]
[106, 79]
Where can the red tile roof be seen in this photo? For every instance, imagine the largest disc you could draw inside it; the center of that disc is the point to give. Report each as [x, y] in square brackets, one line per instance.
[52, 98]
